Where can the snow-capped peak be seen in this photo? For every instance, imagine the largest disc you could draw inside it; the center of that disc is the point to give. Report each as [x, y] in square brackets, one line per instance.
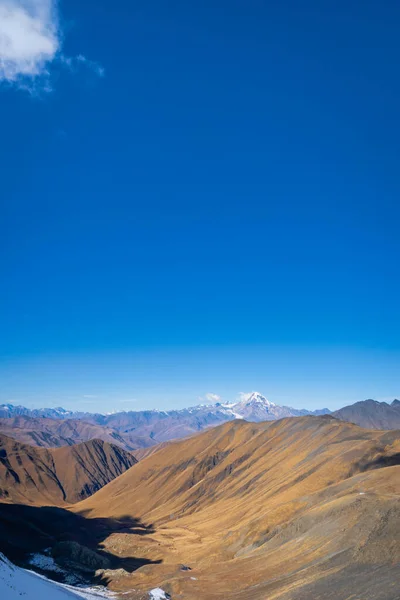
[255, 398]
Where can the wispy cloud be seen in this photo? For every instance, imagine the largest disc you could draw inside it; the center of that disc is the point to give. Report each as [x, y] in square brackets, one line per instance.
[30, 41]
[89, 396]
[212, 397]
[91, 64]
[74, 62]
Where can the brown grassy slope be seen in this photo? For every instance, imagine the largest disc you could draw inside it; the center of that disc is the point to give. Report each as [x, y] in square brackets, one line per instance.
[294, 509]
[142, 453]
[56, 476]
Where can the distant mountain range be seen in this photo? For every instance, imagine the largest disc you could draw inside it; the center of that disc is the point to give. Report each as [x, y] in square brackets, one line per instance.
[253, 407]
[54, 427]
[133, 430]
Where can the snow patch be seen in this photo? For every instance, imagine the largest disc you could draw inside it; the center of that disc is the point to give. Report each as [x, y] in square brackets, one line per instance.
[158, 594]
[45, 562]
[235, 414]
[20, 584]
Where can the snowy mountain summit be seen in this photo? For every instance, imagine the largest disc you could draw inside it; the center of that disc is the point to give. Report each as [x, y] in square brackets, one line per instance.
[253, 406]
[254, 399]
[256, 407]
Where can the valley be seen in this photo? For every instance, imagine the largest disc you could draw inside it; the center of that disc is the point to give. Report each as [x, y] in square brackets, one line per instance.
[294, 509]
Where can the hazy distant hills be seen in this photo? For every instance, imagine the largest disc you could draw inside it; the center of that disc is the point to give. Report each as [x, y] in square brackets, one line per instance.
[53, 433]
[32, 475]
[371, 414]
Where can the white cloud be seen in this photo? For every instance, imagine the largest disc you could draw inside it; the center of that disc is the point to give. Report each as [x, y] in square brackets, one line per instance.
[213, 397]
[30, 40]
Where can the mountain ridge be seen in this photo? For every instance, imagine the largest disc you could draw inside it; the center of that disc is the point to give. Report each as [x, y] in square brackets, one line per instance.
[371, 414]
[32, 475]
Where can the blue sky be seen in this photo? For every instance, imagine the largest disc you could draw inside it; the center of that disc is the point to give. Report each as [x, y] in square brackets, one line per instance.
[199, 198]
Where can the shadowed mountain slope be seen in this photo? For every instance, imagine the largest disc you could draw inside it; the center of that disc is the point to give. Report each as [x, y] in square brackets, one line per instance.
[371, 414]
[293, 509]
[56, 476]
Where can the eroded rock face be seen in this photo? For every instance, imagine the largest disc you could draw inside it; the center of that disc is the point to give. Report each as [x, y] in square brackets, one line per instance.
[75, 556]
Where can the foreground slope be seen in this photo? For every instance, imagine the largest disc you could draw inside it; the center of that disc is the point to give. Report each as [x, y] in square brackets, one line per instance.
[294, 509]
[56, 476]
